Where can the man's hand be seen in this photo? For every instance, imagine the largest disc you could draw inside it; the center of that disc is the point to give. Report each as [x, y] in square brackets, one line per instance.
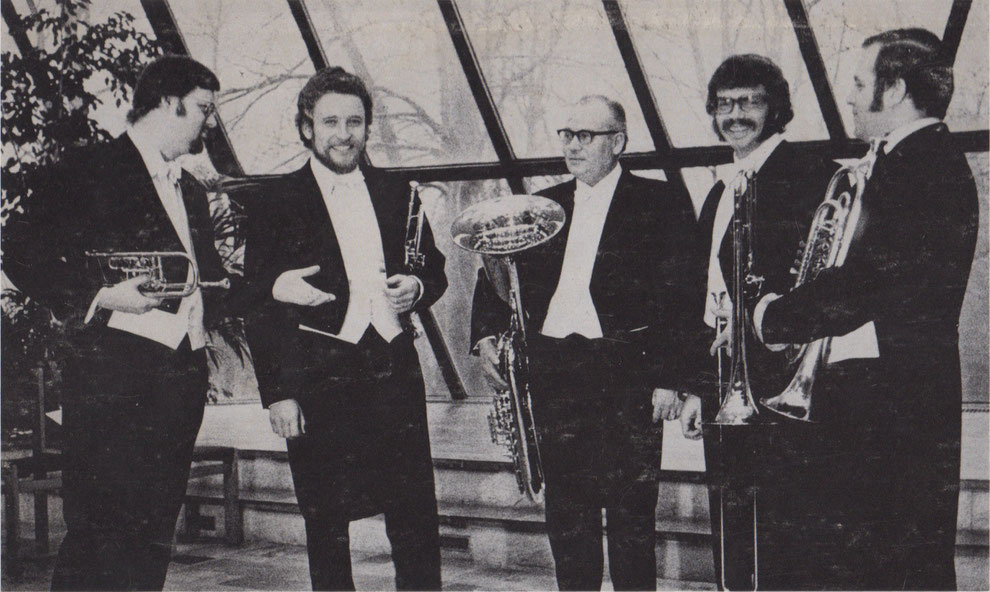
[292, 288]
[287, 418]
[691, 418]
[724, 338]
[490, 362]
[127, 297]
[401, 291]
[666, 405]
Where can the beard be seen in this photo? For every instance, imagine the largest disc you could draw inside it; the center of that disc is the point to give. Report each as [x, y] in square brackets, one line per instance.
[197, 145]
[341, 168]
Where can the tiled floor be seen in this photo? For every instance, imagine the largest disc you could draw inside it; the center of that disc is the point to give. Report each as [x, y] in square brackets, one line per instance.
[270, 566]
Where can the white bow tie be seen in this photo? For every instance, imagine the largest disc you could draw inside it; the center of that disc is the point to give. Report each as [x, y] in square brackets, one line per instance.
[173, 172]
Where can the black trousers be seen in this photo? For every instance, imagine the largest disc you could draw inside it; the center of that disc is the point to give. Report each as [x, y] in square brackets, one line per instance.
[600, 449]
[131, 411]
[365, 451]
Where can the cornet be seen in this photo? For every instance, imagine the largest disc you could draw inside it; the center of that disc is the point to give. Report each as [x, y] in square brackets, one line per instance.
[829, 239]
[119, 266]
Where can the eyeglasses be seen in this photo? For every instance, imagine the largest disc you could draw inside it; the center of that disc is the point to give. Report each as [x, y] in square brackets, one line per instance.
[207, 109]
[747, 103]
[584, 136]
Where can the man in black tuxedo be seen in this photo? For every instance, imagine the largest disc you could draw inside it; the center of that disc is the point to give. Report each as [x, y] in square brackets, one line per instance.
[749, 101]
[135, 382]
[888, 395]
[608, 303]
[341, 379]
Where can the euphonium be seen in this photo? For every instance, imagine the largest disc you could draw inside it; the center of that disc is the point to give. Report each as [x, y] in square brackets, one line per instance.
[832, 230]
[498, 229]
[119, 266]
[738, 406]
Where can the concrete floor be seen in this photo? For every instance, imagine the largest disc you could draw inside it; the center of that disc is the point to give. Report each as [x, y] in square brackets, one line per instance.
[272, 566]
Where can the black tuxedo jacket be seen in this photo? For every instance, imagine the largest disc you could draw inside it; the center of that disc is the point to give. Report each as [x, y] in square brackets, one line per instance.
[288, 227]
[789, 187]
[642, 284]
[907, 272]
[102, 198]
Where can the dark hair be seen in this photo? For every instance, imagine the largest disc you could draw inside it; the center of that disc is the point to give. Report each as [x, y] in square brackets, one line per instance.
[917, 57]
[326, 81]
[169, 76]
[749, 71]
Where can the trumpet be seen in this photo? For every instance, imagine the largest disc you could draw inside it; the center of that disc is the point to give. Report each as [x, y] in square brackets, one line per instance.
[123, 265]
[832, 230]
[415, 260]
[498, 229]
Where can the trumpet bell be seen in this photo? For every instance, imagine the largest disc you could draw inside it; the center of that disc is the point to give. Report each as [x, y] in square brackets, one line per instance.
[507, 224]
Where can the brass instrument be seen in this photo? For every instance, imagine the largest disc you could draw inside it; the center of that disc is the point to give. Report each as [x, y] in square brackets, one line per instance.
[738, 406]
[832, 230]
[415, 260]
[498, 229]
[116, 267]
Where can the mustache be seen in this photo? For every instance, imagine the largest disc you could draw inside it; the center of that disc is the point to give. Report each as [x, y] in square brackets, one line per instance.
[744, 122]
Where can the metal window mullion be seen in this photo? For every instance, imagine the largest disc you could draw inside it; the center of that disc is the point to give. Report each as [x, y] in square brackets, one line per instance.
[954, 26]
[644, 94]
[167, 32]
[813, 61]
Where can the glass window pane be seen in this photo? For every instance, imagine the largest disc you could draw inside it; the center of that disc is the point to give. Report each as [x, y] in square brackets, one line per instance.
[841, 26]
[257, 52]
[681, 45]
[973, 319]
[425, 113]
[968, 109]
[539, 56]
[443, 202]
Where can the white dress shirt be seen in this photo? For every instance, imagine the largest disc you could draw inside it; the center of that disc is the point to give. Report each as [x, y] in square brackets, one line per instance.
[166, 328]
[359, 237]
[718, 290]
[571, 309]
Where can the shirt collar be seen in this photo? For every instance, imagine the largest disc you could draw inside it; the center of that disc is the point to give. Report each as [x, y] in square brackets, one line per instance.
[327, 178]
[152, 157]
[753, 161]
[894, 138]
[606, 186]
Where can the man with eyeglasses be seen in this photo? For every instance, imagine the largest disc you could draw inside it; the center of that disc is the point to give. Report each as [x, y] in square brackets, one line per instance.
[134, 386]
[609, 306]
[749, 101]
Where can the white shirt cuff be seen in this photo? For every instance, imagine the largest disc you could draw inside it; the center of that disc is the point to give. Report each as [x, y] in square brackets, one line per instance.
[95, 304]
[758, 312]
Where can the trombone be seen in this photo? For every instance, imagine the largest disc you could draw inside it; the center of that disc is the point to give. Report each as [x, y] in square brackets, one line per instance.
[124, 265]
[737, 405]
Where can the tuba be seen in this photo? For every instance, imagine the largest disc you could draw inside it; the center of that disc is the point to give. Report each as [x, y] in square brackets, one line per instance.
[498, 229]
[116, 267]
[832, 230]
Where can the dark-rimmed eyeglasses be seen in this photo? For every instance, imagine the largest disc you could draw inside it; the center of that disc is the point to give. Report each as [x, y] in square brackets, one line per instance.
[584, 136]
[747, 103]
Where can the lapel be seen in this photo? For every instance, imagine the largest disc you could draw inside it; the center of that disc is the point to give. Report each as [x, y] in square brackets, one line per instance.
[143, 222]
[382, 196]
[611, 245]
[548, 260]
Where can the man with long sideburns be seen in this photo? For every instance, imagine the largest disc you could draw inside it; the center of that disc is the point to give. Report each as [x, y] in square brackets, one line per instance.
[135, 383]
[750, 105]
[337, 372]
[888, 396]
[607, 301]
